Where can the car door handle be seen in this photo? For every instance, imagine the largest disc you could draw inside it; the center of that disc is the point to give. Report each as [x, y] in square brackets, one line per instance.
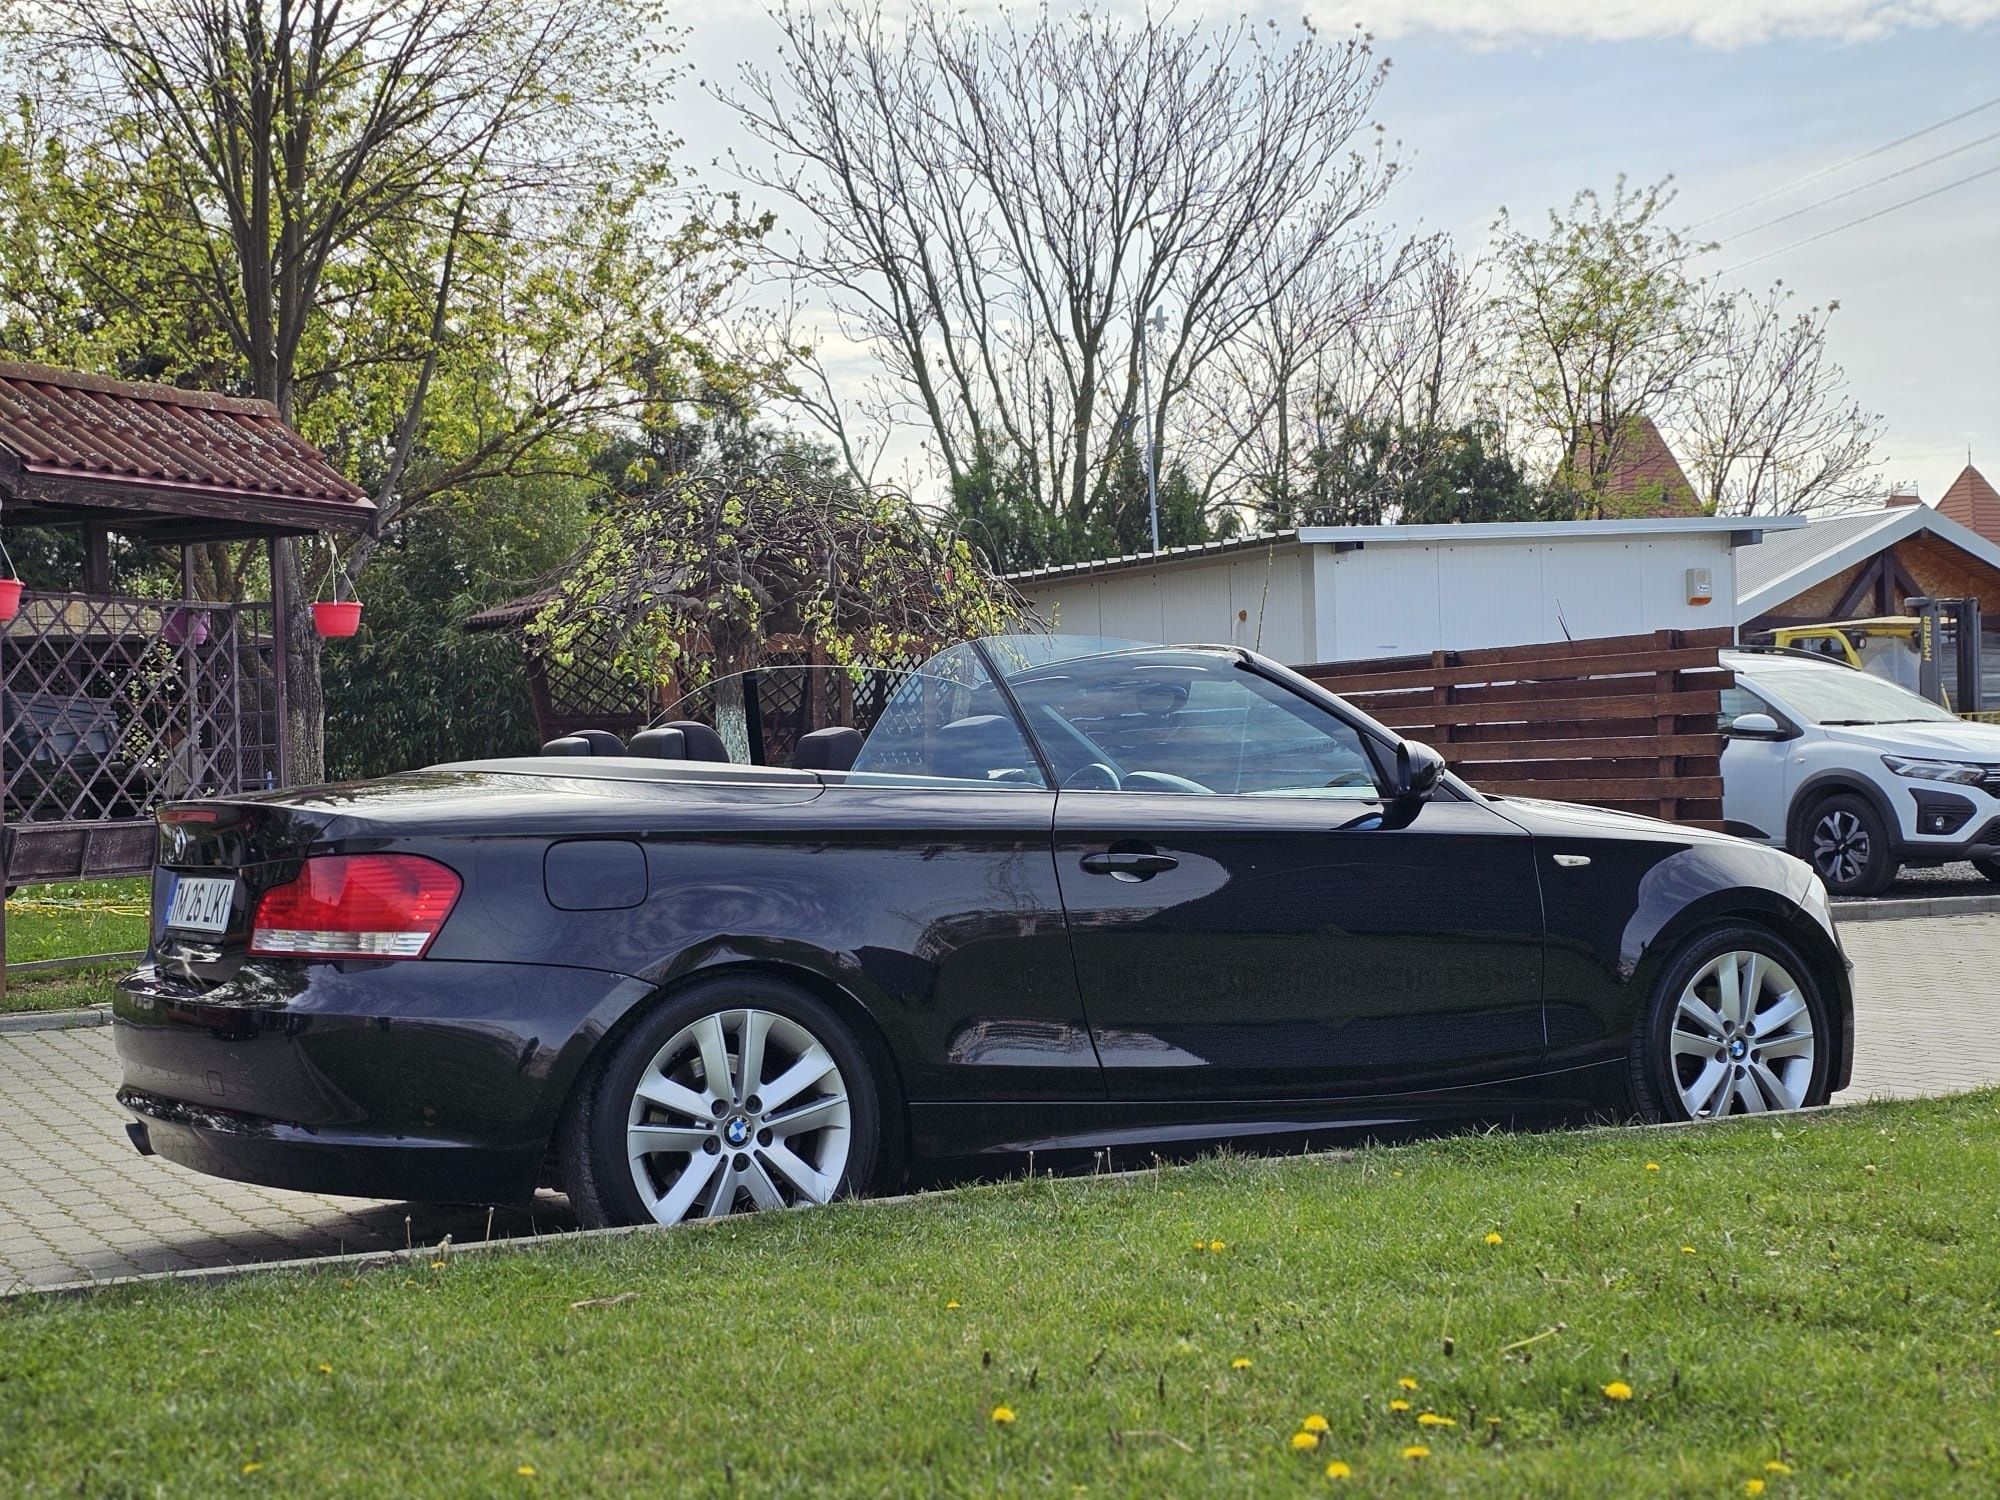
[1128, 864]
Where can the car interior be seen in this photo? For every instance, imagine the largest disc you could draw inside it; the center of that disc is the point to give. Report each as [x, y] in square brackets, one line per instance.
[1192, 723]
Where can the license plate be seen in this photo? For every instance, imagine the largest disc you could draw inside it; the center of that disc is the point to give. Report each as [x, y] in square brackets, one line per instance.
[199, 904]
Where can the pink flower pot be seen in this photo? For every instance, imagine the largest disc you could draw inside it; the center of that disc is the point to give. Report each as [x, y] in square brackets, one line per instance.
[10, 598]
[337, 619]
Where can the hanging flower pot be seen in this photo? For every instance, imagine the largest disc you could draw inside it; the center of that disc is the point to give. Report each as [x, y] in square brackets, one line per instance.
[10, 588]
[336, 619]
[186, 627]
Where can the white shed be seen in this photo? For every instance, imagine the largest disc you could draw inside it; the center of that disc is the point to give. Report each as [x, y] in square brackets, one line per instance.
[1345, 593]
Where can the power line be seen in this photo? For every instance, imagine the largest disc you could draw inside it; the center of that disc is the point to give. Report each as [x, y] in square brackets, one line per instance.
[1842, 166]
[1870, 183]
[1880, 212]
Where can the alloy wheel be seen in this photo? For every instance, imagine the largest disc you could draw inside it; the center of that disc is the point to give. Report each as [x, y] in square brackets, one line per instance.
[1840, 847]
[741, 1109]
[1743, 1040]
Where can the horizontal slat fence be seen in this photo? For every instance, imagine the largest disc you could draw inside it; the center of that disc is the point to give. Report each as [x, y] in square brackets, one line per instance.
[1626, 722]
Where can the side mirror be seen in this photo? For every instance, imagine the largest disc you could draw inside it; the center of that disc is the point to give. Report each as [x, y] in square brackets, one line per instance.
[1417, 770]
[1755, 727]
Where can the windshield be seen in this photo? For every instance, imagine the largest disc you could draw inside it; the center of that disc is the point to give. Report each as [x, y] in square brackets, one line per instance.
[1841, 695]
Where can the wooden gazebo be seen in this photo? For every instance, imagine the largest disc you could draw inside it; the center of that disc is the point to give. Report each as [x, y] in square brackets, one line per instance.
[113, 704]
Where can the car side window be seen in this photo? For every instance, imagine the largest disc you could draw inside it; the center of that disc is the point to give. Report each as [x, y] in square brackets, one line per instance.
[1193, 722]
[1739, 700]
[935, 728]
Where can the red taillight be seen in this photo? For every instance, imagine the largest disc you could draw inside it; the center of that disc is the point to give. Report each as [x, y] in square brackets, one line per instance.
[356, 906]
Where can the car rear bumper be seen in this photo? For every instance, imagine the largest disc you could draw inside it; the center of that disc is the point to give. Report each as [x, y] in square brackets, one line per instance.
[439, 1081]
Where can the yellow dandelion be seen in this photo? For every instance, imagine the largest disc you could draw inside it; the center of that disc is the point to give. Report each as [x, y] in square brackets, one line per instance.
[1339, 1470]
[1687, 1249]
[1432, 1419]
[1313, 1423]
[1399, 1404]
[1416, 1451]
[252, 1467]
[1652, 1166]
[437, 1265]
[1239, 1364]
[1201, 1244]
[1777, 1466]
[1753, 1486]
[1216, 1247]
[526, 1471]
[1407, 1382]
[1004, 1415]
[1493, 1237]
[951, 1306]
[326, 1369]
[1304, 1440]
[1618, 1390]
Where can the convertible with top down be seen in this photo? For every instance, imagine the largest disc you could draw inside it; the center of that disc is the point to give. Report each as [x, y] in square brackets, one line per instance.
[824, 927]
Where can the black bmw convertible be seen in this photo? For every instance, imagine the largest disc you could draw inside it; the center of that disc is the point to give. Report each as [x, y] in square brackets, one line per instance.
[1044, 894]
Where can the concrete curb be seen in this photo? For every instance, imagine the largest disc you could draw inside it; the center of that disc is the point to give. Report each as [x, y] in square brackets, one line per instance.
[1917, 906]
[56, 1020]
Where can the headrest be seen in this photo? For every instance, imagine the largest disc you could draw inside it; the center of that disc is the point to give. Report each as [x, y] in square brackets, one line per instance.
[703, 743]
[569, 744]
[967, 749]
[602, 741]
[827, 750]
[659, 743]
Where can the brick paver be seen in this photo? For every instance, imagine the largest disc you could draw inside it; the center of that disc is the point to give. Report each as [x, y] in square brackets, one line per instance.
[78, 1203]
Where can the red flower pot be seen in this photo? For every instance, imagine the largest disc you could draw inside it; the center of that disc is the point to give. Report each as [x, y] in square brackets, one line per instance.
[338, 618]
[10, 598]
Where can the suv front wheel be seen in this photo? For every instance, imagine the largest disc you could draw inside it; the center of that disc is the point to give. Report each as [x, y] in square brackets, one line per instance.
[1845, 839]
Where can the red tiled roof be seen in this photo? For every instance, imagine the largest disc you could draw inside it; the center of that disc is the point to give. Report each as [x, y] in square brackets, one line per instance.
[1643, 461]
[1972, 502]
[149, 447]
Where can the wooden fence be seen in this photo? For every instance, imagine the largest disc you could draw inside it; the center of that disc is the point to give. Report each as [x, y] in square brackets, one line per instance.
[1626, 722]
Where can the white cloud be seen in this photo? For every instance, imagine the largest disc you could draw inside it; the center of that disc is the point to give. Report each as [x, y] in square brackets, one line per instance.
[1728, 23]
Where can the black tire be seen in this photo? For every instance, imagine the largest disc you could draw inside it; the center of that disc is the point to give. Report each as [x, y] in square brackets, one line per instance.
[1990, 868]
[592, 1144]
[1844, 838]
[1656, 1095]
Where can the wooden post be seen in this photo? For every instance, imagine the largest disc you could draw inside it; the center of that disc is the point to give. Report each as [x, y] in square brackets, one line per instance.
[281, 633]
[96, 560]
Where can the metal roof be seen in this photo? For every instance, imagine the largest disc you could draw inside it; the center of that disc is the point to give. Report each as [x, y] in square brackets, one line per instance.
[73, 446]
[1788, 563]
[1741, 529]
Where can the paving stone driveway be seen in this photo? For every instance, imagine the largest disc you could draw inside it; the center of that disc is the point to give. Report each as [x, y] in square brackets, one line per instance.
[78, 1203]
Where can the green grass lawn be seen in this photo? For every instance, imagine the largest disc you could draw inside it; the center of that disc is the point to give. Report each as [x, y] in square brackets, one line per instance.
[71, 921]
[1810, 1306]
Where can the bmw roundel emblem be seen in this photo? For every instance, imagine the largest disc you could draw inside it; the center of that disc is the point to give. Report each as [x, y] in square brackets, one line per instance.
[737, 1131]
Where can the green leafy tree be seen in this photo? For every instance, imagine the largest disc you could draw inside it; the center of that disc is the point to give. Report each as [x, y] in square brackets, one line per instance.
[429, 233]
[698, 576]
[1608, 329]
[1373, 471]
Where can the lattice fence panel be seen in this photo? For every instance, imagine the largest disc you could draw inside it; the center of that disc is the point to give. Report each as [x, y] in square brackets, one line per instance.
[113, 705]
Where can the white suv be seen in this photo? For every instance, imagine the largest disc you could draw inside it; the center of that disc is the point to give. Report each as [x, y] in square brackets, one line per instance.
[1853, 773]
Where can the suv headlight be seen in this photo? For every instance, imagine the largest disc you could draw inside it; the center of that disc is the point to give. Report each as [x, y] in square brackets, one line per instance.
[1963, 772]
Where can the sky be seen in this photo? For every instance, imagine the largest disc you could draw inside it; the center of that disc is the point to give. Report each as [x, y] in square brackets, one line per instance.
[1522, 103]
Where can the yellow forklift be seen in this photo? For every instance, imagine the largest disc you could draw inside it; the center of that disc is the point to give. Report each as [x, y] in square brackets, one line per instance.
[1913, 649]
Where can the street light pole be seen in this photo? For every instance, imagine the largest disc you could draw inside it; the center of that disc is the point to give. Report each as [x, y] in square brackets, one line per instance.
[1158, 323]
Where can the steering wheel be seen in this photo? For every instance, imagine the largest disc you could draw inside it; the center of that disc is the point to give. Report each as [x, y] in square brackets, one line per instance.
[1095, 777]
[1354, 778]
